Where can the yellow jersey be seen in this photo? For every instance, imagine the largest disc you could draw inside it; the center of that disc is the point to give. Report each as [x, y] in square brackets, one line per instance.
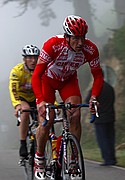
[20, 84]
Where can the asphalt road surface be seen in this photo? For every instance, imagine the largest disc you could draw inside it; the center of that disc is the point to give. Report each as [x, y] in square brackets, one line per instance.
[9, 169]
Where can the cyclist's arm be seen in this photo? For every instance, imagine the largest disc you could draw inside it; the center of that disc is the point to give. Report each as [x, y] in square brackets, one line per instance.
[96, 71]
[36, 80]
[98, 81]
[14, 87]
[43, 60]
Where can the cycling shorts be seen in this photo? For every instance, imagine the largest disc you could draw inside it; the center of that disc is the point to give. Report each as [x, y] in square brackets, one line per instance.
[31, 104]
[66, 89]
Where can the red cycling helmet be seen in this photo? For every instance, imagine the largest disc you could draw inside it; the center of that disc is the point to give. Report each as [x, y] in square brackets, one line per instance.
[75, 26]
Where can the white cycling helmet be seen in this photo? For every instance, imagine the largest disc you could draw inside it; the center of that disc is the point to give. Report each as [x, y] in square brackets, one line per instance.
[30, 50]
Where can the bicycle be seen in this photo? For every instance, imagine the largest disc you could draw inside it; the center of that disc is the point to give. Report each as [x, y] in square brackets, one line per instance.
[28, 162]
[67, 161]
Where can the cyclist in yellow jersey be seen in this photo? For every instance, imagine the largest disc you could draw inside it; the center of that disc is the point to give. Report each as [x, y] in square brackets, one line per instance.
[21, 92]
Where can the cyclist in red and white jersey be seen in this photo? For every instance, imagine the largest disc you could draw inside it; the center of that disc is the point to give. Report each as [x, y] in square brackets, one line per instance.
[56, 69]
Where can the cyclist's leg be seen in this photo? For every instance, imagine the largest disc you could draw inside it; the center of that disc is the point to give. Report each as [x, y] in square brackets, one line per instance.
[23, 128]
[42, 134]
[71, 93]
[74, 117]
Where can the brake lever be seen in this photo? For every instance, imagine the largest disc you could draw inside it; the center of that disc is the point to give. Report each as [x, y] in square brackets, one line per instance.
[95, 107]
[44, 123]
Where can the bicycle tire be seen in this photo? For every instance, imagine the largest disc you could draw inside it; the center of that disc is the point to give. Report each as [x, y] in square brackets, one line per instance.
[76, 153]
[48, 158]
[29, 161]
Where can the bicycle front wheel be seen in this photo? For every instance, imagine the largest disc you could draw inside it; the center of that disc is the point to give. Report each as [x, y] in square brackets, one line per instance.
[72, 160]
[29, 161]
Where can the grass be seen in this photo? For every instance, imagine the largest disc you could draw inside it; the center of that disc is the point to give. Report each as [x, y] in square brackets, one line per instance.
[94, 154]
[90, 147]
[120, 154]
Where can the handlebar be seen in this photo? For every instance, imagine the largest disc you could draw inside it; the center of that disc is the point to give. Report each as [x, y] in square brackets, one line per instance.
[32, 110]
[69, 106]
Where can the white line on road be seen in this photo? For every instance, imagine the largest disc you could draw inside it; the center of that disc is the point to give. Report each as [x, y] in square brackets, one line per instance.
[95, 162]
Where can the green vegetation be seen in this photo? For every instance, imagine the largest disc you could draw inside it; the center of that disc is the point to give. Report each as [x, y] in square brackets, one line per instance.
[115, 46]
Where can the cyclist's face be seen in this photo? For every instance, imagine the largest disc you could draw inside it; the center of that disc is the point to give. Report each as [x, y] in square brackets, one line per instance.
[31, 61]
[76, 42]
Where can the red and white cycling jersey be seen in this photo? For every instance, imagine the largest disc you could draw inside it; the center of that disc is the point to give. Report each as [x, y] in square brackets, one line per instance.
[63, 61]
[59, 62]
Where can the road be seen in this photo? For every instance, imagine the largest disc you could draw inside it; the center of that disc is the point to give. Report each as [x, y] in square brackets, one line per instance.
[9, 169]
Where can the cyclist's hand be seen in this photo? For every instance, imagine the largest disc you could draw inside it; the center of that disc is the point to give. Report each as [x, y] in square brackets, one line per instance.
[93, 101]
[17, 108]
[41, 107]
